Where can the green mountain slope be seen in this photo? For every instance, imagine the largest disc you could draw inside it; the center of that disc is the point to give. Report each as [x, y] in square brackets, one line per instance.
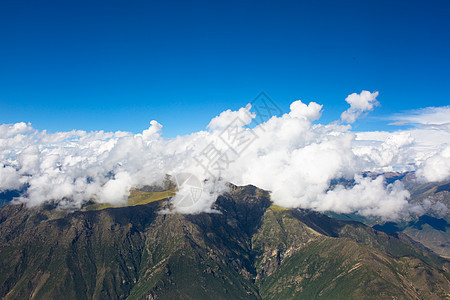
[251, 250]
[340, 260]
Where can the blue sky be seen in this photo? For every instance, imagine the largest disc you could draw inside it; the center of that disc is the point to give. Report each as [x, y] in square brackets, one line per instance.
[117, 65]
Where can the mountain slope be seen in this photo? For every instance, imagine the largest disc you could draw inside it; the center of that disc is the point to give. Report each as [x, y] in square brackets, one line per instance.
[431, 227]
[338, 260]
[250, 250]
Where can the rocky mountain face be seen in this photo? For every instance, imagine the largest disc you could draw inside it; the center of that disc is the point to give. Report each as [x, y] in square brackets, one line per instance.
[248, 250]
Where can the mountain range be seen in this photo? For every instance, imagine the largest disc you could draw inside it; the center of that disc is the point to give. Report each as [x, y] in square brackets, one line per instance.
[247, 249]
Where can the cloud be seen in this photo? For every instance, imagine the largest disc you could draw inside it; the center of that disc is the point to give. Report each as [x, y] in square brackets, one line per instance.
[392, 151]
[9, 179]
[8, 130]
[437, 167]
[227, 117]
[154, 131]
[117, 189]
[367, 197]
[419, 145]
[292, 155]
[431, 117]
[359, 103]
[310, 112]
[438, 208]
[197, 199]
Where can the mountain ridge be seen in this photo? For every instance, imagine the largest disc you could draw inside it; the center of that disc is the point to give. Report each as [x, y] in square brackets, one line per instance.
[250, 250]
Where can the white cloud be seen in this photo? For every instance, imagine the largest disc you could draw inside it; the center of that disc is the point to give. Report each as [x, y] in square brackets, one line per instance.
[9, 179]
[153, 132]
[8, 130]
[288, 155]
[227, 117]
[431, 116]
[359, 103]
[368, 197]
[310, 112]
[116, 190]
[392, 150]
[420, 145]
[194, 199]
[437, 167]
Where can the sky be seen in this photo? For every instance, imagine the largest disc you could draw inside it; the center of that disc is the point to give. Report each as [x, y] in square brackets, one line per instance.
[100, 97]
[117, 65]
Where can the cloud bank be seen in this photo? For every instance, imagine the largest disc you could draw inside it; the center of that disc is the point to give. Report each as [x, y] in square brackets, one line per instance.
[291, 156]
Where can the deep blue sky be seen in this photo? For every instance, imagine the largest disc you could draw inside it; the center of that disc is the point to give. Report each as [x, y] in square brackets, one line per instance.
[116, 65]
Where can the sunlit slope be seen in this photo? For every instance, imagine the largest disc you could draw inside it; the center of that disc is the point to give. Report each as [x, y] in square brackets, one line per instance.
[136, 198]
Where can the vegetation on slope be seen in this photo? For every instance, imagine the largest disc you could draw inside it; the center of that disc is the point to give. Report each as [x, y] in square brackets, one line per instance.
[251, 250]
[137, 197]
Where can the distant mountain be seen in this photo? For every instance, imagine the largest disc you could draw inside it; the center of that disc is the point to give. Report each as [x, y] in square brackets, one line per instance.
[432, 228]
[250, 250]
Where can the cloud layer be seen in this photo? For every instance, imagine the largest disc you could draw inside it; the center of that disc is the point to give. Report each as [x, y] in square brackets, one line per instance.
[289, 155]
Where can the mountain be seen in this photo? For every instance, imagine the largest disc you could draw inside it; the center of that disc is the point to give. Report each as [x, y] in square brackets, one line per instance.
[249, 249]
[431, 228]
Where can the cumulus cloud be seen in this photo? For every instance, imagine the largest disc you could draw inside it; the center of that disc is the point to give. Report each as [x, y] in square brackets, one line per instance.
[290, 155]
[437, 209]
[227, 117]
[9, 179]
[154, 131]
[367, 197]
[8, 130]
[197, 198]
[437, 167]
[359, 103]
[420, 148]
[310, 112]
[392, 153]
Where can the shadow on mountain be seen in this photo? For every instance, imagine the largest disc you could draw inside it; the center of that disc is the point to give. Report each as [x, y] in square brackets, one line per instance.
[438, 224]
[8, 196]
[442, 188]
[388, 227]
